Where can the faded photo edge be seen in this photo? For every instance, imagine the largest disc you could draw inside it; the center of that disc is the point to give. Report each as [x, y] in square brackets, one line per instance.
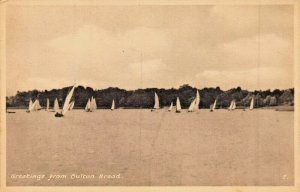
[295, 188]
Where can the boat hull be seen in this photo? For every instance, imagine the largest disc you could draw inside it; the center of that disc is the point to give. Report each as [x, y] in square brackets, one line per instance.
[58, 115]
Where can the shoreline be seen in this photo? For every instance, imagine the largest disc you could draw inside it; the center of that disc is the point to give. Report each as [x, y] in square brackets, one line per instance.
[276, 108]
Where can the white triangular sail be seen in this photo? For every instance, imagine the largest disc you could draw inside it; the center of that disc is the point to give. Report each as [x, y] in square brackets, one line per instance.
[113, 105]
[192, 106]
[88, 105]
[32, 107]
[93, 105]
[37, 106]
[156, 101]
[178, 106]
[171, 107]
[233, 105]
[214, 106]
[67, 101]
[197, 102]
[252, 104]
[48, 103]
[30, 104]
[230, 106]
[56, 105]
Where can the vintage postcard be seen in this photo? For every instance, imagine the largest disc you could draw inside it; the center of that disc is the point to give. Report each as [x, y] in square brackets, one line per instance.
[150, 95]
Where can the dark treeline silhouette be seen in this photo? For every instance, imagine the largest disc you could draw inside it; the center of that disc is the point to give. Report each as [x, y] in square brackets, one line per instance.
[144, 98]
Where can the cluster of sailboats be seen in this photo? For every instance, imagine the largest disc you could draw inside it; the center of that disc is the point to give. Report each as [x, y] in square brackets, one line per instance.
[68, 105]
[92, 105]
[195, 104]
[34, 106]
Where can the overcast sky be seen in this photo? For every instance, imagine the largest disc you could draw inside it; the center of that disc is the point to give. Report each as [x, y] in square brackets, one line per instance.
[149, 46]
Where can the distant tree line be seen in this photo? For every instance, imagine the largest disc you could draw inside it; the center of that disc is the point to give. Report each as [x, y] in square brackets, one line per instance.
[144, 98]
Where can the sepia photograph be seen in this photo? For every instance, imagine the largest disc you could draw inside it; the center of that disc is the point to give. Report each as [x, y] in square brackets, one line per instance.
[149, 94]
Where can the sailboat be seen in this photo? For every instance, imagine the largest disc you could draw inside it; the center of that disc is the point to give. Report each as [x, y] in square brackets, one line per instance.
[230, 106]
[71, 105]
[88, 106]
[233, 106]
[56, 106]
[35, 106]
[192, 106]
[48, 103]
[29, 106]
[214, 106]
[156, 102]
[171, 107]
[66, 106]
[178, 106]
[252, 104]
[93, 104]
[112, 105]
[197, 102]
[9, 111]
